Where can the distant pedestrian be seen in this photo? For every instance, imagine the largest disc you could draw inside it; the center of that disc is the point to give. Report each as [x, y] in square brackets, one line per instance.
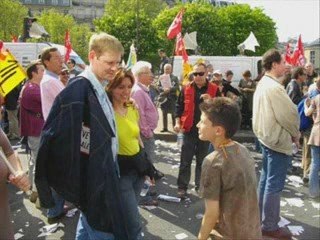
[31, 118]
[168, 88]
[163, 60]
[276, 124]
[72, 68]
[294, 88]
[228, 179]
[11, 105]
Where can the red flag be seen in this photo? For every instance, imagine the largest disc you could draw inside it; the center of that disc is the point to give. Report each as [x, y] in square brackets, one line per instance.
[175, 26]
[180, 48]
[298, 54]
[288, 53]
[67, 44]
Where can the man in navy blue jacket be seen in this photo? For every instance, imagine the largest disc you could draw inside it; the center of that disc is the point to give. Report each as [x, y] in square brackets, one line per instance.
[77, 155]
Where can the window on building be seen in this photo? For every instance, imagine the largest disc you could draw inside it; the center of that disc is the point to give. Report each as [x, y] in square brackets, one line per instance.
[66, 2]
[27, 1]
[312, 57]
[42, 2]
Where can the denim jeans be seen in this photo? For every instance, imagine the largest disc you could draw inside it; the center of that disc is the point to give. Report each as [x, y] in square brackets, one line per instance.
[85, 232]
[314, 172]
[58, 208]
[272, 180]
[149, 147]
[131, 185]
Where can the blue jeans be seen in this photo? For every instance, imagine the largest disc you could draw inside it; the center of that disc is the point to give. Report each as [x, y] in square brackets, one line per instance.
[272, 180]
[131, 185]
[58, 208]
[85, 232]
[314, 172]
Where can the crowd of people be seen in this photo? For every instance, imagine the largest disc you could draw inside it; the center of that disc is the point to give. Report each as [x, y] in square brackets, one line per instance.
[96, 126]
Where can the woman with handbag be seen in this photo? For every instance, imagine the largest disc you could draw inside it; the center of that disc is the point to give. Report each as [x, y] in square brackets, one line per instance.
[131, 158]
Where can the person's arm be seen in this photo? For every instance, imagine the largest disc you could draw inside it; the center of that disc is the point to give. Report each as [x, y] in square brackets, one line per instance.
[20, 179]
[309, 107]
[285, 112]
[179, 111]
[209, 219]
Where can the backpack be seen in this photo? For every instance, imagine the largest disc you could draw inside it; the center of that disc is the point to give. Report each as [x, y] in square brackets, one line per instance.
[305, 122]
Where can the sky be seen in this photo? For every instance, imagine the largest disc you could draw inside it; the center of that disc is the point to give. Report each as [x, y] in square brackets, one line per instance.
[292, 17]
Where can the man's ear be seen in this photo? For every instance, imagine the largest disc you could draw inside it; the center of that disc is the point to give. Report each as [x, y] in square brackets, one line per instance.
[91, 55]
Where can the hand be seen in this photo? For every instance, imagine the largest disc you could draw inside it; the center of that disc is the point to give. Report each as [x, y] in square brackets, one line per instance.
[296, 140]
[21, 180]
[177, 128]
[308, 101]
[205, 96]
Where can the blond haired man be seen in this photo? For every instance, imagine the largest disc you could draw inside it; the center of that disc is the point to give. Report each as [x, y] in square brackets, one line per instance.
[81, 159]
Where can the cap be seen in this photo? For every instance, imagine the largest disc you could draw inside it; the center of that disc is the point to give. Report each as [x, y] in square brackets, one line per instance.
[217, 72]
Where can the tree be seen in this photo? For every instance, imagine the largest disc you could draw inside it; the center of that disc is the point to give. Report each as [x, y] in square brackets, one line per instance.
[56, 24]
[11, 18]
[219, 30]
[240, 20]
[202, 18]
[124, 28]
[131, 21]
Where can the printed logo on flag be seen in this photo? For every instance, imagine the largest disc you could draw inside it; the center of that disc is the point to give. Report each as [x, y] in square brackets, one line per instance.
[11, 73]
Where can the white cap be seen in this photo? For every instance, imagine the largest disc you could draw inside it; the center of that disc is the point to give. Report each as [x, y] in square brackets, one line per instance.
[218, 72]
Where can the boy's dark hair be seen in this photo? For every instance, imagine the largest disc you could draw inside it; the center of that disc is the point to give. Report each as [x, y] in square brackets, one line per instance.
[296, 72]
[224, 112]
[270, 57]
[229, 72]
[72, 61]
[33, 68]
[246, 73]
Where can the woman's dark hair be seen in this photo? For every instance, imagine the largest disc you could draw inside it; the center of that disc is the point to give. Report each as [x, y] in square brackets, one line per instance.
[246, 73]
[229, 72]
[296, 72]
[224, 112]
[117, 80]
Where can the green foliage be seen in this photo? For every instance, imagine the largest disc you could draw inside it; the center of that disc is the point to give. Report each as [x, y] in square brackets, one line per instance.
[12, 13]
[120, 7]
[219, 30]
[240, 20]
[129, 27]
[56, 24]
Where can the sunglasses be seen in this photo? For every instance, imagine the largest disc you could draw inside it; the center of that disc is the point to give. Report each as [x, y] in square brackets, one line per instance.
[198, 74]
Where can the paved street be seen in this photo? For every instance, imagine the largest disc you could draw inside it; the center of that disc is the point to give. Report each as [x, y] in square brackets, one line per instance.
[171, 219]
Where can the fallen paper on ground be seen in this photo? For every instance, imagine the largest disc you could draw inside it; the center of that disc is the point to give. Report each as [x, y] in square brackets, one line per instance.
[148, 207]
[181, 236]
[316, 205]
[282, 203]
[168, 198]
[49, 229]
[283, 222]
[72, 212]
[18, 236]
[296, 230]
[199, 216]
[296, 202]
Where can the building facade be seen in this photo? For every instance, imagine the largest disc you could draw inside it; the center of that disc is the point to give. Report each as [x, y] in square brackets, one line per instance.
[312, 54]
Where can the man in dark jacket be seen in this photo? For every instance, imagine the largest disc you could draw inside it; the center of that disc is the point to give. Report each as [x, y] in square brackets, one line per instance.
[294, 88]
[77, 155]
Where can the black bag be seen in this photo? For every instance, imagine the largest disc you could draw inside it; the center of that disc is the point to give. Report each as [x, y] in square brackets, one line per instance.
[138, 162]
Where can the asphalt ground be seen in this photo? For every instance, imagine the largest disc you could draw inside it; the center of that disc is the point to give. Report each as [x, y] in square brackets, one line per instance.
[172, 220]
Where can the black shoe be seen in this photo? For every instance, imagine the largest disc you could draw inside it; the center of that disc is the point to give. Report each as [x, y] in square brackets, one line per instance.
[305, 180]
[52, 220]
[158, 175]
[164, 130]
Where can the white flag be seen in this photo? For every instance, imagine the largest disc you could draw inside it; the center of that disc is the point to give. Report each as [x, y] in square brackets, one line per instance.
[249, 44]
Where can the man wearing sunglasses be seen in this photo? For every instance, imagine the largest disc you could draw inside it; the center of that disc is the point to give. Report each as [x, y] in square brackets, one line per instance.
[187, 116]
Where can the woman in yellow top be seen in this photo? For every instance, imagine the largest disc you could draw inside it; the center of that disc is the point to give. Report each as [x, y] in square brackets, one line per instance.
[127, 122]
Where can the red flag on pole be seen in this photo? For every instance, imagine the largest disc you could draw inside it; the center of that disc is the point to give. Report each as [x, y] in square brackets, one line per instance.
[288, 53]
[67, 44]
[175, 26]
[297, 58]
[180, 48]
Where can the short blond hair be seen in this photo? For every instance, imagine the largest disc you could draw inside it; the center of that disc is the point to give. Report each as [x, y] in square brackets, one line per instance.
[103, 42]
